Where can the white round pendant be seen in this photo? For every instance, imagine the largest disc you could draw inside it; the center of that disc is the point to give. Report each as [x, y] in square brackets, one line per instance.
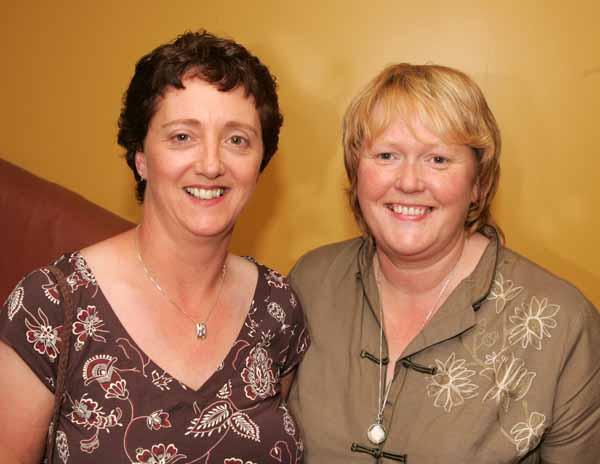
[376, 434]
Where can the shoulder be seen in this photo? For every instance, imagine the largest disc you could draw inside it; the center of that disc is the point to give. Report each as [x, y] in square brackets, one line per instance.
[274, 288]
[534, 280]
[333, 260]
[541, 306]
[345, 251]
[39, 286]
[38, 297]
[32, 317]
[273, 279]
[280, 301]
[555, 329]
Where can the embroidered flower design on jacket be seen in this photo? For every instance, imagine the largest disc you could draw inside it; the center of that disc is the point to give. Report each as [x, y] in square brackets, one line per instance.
[43, 336]
[88, 324]
[258, 374]
[527, 435]
[159, 454]
[511, 380]
[533, 322]
[503, 291]
[451, 385]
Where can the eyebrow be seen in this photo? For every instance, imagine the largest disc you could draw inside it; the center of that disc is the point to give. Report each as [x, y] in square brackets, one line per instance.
[196, 123]
[242, 125]
[185, 122]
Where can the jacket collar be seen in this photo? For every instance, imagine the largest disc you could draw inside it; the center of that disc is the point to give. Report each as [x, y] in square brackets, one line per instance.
[458, 313]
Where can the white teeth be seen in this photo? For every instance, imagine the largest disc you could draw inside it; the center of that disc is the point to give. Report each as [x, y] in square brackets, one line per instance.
[409, 210]
[205, 194]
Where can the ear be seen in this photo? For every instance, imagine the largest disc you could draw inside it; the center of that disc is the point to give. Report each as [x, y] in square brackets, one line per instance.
[475, 192]
[140, 164]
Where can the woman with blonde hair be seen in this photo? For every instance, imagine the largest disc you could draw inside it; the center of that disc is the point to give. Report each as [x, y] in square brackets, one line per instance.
[432, 341]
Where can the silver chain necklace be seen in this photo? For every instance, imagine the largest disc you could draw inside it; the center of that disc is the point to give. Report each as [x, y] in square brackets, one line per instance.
[376, 433]
[201, 331]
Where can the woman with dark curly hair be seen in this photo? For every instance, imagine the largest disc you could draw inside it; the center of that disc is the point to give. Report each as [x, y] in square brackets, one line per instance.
[181, 351]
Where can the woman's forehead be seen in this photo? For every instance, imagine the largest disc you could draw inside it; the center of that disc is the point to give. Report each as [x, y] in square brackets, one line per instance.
[425, 126]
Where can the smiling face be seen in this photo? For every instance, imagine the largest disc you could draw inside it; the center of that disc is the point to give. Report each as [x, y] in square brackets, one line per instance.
[414, 191]
[201, 158]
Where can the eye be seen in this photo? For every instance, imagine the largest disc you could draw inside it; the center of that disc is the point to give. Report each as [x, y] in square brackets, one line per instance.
[238, 140]
[385, 156]
[439, 160]
[181, 137]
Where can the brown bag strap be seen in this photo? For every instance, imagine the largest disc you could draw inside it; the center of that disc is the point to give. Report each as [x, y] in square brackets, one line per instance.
[63, 357]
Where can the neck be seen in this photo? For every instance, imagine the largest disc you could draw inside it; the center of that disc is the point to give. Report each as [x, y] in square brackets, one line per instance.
[188, 267]
[415, 278]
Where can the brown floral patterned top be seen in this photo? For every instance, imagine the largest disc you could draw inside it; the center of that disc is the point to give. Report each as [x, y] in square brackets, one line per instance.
[120, 407]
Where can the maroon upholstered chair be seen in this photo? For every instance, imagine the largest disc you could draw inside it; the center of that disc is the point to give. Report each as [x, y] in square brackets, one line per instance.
[42, 220]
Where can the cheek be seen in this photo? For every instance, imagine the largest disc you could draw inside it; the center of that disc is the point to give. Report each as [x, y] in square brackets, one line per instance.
[371, 184]
[249, 175]
[455, 191]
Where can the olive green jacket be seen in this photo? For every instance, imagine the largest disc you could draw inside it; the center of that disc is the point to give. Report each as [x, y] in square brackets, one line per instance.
[507, 371]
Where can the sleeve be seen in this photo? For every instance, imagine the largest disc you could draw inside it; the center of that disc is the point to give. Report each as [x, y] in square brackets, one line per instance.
[299, 279]
[294, 327]
[31, 321]
[574, 435]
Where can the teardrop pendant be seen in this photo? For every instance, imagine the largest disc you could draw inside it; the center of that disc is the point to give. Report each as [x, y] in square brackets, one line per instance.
[201, 330]
[376, 433]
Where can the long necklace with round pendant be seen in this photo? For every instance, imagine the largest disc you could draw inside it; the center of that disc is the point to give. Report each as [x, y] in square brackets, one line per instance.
[376, 433]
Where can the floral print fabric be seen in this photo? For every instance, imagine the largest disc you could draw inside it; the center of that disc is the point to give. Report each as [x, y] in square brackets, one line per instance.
[122, 408]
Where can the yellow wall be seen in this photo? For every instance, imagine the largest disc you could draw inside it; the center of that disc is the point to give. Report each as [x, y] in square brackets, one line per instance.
[66, 64]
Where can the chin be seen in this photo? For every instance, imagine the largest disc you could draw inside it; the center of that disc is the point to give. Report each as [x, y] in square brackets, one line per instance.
[209, 230]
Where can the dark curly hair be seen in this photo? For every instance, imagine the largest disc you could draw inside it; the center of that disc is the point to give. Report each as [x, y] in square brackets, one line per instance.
[221, 62]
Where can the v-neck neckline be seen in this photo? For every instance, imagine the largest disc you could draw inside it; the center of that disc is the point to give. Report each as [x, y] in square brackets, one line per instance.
[117, 325]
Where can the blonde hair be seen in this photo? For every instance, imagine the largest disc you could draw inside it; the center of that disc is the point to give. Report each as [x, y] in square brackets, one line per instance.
[448, 103]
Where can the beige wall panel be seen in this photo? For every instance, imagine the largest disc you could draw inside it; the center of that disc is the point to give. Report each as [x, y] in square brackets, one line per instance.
[66, 64]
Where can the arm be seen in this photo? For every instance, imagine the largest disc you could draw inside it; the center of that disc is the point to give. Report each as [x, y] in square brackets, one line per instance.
[25, 411]
[286, 383]
[297, 339]
[574, 435]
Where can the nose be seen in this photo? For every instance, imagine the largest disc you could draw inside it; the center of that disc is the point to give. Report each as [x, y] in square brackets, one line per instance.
[209, 163]
[409, 177]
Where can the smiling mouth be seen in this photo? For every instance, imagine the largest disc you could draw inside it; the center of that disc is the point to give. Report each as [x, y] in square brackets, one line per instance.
[205, 194]
[413, 211]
